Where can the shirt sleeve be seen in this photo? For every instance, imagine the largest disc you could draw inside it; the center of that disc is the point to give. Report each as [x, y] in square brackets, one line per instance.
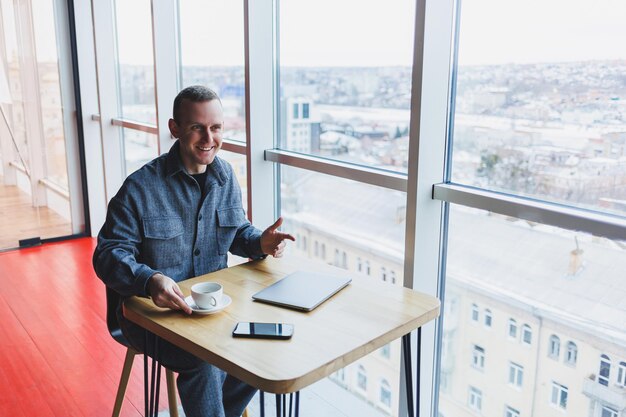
[115, 258]
[247, 242]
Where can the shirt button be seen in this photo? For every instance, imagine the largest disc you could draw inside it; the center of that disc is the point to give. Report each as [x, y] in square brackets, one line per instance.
[196, 252]
[200, 217]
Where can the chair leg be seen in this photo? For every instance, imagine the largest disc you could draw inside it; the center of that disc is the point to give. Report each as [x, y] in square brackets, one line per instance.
[171, 393]
[121, 389]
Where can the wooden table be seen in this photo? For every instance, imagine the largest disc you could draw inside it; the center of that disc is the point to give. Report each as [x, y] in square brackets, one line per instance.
[359, 319]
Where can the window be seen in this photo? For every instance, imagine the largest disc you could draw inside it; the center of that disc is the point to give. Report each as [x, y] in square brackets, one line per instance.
[323, 251]
[223, 69]
[39, 159]
[385, 351]
[605, 370]
[385, 393]
[135, 61]
[353, 107]
[571, 354]
[359, 264]
[393, 276]
[361, 378]
[475, 399]
[559, 396]
[510, 412]
[621, 374]
[474, 312]
[296, 106]
[340, 376]
[512, 329]
[304, 243]
[316, 249]
[333, 210]
[527, 335]
[383, 274]
[478, 357]
[554, 347]
[609, 412]
[516, 374]
[488, 318]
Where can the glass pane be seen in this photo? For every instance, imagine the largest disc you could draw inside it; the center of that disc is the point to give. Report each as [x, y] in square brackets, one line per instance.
[554, 282]
[50, 91]
[213, 55]
[345, 91]
[34, 194]
[540, 100]
[135, 60]
[139, 148]
[238, 162]
[360, 228]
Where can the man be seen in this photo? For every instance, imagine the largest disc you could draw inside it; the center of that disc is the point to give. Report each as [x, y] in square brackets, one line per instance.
[175, 218]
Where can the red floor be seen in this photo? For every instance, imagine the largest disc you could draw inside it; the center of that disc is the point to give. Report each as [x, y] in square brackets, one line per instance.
[56, 356]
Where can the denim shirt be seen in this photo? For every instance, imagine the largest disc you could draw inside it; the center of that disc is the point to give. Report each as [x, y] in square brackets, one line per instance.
[159, 222]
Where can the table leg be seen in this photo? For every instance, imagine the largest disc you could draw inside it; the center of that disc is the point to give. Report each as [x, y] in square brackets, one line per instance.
[279, 403]
[262, 403]
[408, 368]
[297, 403]
[152, 386]
[145, 376]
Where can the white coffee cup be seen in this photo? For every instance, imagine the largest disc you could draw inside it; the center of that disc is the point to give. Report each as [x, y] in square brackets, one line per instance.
[207, 295]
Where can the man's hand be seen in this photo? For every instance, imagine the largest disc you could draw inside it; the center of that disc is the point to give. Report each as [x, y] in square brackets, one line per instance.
[273, 241]
[166, 293]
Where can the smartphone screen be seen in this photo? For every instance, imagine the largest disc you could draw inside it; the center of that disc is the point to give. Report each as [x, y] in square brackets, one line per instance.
[264, 330]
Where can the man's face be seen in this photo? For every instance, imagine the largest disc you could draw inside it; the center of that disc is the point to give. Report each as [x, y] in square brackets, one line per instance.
[199, 131]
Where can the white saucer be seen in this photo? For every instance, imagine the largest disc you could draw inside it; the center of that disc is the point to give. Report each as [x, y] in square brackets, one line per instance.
[226, 300]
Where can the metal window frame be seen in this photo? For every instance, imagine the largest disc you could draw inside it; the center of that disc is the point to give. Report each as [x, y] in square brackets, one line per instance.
[553, 214]
[381, 178]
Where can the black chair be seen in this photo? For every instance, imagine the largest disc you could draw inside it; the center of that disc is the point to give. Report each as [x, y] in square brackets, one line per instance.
[114, 328]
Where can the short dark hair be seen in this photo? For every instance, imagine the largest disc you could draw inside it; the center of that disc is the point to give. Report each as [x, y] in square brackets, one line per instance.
[194, 93]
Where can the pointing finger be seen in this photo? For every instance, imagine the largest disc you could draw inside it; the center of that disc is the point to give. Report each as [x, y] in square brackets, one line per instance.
[284, 236]
[276, 224]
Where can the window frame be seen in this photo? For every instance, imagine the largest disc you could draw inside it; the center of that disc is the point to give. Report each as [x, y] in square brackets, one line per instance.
[429, 192]
[621, 374]
[512, 324]
[527, 330]
[478, 358]
[554, 347]
[488, 318]
[510, 412]
[559, 396]
[475, 399]
[604, 370]
[516, 375]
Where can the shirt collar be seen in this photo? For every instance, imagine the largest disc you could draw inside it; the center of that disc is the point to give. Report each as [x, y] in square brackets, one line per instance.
[216, 171]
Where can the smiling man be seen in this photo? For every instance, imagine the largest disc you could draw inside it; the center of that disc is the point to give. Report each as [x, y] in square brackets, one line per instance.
[175, 218]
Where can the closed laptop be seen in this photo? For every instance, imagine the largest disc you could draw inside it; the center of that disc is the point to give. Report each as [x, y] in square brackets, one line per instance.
[302, 290]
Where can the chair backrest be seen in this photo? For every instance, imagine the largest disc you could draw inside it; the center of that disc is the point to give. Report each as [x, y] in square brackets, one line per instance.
[113, 299]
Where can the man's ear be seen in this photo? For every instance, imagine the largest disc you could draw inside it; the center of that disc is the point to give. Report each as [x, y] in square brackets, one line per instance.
[173, 128]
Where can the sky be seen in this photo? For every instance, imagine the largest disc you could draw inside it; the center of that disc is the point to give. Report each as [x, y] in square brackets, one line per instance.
[358, 33]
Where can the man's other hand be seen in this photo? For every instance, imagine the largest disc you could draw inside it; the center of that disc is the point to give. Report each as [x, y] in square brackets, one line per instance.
[273, 241]
[166, 293]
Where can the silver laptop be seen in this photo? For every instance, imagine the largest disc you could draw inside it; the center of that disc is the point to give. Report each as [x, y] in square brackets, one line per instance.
[302, 290]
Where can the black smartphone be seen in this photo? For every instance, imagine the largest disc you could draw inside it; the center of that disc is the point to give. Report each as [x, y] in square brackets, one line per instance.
[263, 330]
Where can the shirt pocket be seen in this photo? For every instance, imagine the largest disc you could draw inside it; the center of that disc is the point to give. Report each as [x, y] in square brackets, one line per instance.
[228, 221]
[163, 244]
